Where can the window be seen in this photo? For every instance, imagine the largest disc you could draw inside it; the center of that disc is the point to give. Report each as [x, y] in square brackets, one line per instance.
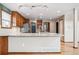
[6, 19]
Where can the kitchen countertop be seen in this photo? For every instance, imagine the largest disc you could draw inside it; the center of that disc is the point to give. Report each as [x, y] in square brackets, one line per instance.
[33, 34]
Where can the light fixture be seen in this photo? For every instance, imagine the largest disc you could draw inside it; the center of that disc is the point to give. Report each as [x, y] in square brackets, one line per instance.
[34, 21]
[28, 14]
[41, 17]
[24, 8]
[58, 11]
[41, 14]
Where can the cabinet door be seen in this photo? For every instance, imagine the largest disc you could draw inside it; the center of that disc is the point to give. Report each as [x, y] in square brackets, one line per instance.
[4, 45]
[21, 21]
[0, 45]
[17, 20]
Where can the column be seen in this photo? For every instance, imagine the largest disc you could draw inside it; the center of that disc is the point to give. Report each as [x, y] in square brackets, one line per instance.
[75, 28]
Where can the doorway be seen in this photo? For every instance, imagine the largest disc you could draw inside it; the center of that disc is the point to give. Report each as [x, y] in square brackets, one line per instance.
[47, 26]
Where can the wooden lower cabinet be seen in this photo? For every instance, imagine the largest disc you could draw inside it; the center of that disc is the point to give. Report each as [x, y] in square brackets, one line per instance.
[3, 45]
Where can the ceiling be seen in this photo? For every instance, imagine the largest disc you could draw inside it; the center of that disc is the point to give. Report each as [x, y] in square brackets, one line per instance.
[41, 10]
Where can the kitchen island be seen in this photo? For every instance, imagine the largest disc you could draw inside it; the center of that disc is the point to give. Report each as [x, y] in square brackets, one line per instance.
[34, 42]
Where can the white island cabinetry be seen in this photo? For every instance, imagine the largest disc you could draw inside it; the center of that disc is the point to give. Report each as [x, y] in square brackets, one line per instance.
[34, 42]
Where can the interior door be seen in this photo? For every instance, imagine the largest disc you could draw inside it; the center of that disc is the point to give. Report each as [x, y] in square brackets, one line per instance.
[48, 26]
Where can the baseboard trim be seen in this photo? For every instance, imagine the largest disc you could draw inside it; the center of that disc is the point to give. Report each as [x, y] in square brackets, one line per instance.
[68, 42]
[32, 53]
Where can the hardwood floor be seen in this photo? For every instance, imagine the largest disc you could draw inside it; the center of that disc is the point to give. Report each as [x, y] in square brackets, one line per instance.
[67, 49]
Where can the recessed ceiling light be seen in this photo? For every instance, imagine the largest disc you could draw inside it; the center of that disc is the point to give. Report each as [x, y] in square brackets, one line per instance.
[58, 11]
[28, 13]
[41, 13]
[50, 18]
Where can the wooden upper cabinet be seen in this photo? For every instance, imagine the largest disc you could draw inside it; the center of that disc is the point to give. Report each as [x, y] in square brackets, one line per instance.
[22, 20]
[18, 20]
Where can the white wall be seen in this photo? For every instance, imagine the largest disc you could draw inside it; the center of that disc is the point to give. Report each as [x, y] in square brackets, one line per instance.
[61, 29]
[68, 26]
[53, 26]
